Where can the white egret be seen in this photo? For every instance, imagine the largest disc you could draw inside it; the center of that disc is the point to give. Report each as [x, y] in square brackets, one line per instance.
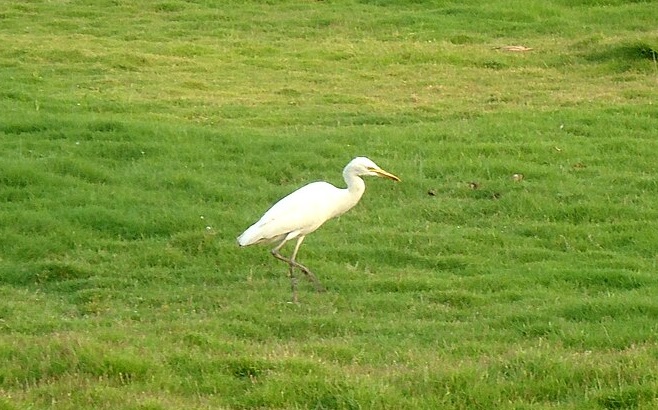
[305, 210]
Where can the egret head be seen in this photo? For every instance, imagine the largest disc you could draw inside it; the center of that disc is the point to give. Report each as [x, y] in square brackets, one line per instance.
[365, 166]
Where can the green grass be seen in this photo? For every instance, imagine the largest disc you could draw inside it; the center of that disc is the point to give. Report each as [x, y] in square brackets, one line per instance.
[138, 139]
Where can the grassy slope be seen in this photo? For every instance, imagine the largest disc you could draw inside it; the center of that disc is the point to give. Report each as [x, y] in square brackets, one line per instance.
[139, 138]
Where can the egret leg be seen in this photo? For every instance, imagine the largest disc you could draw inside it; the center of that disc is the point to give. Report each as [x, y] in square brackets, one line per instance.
[293, 263]
[293, 283]
[291, 269]
[307, 272]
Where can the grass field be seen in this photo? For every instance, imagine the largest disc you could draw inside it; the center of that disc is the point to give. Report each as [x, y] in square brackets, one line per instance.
[140, 138]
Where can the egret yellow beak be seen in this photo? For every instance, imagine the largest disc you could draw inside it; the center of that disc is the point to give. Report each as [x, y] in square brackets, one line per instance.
[384, 174]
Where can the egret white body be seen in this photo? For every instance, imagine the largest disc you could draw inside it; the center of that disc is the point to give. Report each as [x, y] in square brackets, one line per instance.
[306, 209]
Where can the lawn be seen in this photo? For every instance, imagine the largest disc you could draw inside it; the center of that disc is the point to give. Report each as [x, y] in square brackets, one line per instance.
[514, 267]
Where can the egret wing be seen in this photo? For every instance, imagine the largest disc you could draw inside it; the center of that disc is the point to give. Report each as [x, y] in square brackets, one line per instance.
[299, 213]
